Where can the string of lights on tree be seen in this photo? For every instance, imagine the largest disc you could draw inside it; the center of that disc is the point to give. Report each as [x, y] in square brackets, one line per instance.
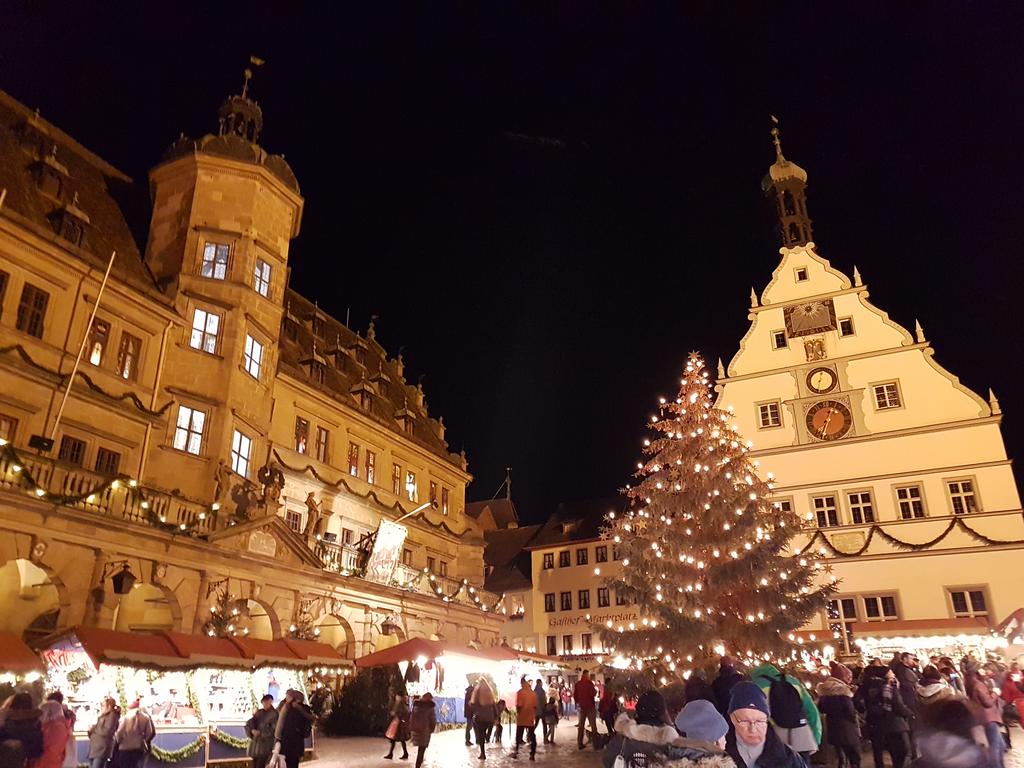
[703, 549]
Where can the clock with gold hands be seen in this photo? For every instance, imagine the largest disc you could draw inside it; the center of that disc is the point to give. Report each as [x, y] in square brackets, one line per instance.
[821, 380]
[829, 420]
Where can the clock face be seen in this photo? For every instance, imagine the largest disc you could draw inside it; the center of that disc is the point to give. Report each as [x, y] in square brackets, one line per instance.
[829, 420]
[809, 318]
[821, 380]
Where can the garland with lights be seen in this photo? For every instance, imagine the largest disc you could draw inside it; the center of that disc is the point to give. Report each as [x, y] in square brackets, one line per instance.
[820, 540]
[225, 615]
[11, 460]
[226, 738]
[464, 588]
[62, 378]
[370, 494]
[703, 550]
[177, 755]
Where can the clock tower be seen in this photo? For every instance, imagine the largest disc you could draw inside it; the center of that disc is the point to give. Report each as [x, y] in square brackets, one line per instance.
[897, 468]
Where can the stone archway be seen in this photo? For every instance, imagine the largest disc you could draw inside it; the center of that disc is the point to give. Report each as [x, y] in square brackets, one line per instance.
[336, 632]
[260, 619]
[147, 607]
[33, 599]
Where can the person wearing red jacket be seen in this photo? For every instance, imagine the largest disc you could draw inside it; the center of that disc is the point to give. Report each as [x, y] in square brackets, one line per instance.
[1013, 685]
[584, 693]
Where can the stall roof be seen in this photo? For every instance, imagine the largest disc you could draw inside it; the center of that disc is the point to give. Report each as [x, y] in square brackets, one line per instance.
[430, 649]
[313, 652]
[16, 657]
[178, 650]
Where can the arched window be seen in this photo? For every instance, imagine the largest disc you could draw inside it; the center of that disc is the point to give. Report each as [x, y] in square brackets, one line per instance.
[794, 233]
[788, 204]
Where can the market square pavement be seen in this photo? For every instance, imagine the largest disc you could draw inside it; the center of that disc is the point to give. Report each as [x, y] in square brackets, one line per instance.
[448, 750]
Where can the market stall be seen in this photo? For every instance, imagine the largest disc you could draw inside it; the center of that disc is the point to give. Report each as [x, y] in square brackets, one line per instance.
[445, 670]
[18, 664]
[199, 690]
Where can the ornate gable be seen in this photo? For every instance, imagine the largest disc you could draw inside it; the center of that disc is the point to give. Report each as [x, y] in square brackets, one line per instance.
[267, 538]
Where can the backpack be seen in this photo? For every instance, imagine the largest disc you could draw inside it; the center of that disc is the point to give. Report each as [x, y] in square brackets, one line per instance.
[785, 704]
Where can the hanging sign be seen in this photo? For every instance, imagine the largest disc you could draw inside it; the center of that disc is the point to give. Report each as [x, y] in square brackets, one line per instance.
[387, 549]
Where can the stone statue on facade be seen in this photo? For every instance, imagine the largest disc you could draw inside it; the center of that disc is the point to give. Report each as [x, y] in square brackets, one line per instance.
[272, 479]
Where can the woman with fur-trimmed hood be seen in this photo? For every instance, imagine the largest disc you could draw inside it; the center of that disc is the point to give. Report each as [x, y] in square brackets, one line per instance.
[644, 740]
[835, 701]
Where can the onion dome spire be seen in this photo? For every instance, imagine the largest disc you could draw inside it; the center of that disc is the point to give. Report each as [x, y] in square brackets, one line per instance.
[786, 184]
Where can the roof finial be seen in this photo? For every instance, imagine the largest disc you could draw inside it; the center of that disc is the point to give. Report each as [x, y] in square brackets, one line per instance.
[247, 74]
[776, 140]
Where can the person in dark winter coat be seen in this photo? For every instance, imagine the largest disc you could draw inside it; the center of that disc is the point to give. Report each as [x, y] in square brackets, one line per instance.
[294, 724]
[946, 739]
[906, 670]
[399, 712]
[751, 741]
[607, 709]
[21, 735]
[422, 724]
[722, 685]
[644, 740]
[261, 728]
[467, 709]
[697, 687]
[835, 701]
[879, 697]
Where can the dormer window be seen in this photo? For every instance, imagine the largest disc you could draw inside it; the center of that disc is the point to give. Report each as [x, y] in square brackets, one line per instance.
[50, 182]
[319, 327]
[317, 373]
[72, 230]
[801, 272]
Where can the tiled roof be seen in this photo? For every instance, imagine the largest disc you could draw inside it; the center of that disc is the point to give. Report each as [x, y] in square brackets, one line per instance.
[112, 204]
[577, 521]
[502, 510]
[508, 558]
[336, 349]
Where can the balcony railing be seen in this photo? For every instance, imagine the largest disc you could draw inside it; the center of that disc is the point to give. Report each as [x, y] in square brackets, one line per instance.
[338, 557]
[69, 485]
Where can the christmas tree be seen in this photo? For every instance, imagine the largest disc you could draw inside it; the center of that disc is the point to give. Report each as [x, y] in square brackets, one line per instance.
[703, 548]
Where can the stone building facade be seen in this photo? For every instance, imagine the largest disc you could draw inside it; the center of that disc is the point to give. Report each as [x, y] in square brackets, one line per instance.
[223, 437]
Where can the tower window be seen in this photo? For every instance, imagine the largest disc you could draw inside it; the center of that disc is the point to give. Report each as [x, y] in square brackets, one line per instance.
[323, 444]
[241, 448]
[968, 602]
[880, 608]
[769, 415]
[846, 326]
[861, 509]
[32, 310]
[253, 357]
[794, 235]
[205, 327]
[128, 357]
[72, 450]
[261, 278]
[779, 340]
[99, 335]
[789, 208]
[371, 466]
[961, 496]
[107, 461]
[301, 435]
[887, 396]
[188, 431]
[910, 501]
[215, 261]
[826, 511]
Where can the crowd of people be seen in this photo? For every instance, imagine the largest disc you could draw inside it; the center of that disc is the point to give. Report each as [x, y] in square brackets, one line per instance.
[940, 716]
[42, 736]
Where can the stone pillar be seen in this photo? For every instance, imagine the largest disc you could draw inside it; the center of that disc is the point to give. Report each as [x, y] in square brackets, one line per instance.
[93, 607]
[200, 613]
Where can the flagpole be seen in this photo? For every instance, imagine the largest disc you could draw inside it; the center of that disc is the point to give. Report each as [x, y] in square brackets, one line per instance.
[81, 349]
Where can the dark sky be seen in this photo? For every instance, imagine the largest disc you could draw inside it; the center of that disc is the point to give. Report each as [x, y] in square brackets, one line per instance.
[549, 290]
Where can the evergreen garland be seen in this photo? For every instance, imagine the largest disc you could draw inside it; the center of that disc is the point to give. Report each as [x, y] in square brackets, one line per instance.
[226, 738]
[821, 541]
[177, 755]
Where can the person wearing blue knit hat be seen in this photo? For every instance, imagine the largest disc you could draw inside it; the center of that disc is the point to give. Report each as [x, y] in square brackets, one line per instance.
[751, 742]
[702, 743]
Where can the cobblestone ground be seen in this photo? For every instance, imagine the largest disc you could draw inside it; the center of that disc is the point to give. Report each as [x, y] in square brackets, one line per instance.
[448, 750]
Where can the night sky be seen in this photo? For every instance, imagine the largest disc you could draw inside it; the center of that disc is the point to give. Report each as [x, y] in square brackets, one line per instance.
[549, 204]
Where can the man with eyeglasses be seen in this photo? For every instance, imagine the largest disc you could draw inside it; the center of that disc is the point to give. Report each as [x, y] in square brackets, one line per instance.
[751, 742]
